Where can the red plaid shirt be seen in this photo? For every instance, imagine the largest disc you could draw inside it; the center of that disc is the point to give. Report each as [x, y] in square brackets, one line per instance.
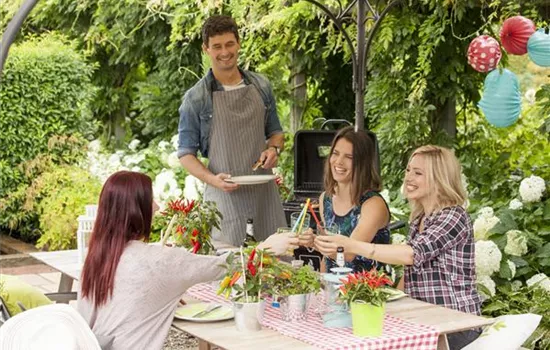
[443, 270]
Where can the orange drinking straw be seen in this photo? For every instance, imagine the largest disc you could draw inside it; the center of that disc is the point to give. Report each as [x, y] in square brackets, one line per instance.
[314, 216]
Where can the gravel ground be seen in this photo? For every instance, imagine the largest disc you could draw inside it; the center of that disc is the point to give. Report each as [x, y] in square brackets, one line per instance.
[179, 340]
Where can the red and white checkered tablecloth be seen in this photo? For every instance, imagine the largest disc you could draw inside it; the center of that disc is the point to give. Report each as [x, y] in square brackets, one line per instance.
[397, 333]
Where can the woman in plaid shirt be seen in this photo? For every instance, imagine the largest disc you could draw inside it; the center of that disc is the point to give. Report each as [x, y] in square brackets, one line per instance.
[439, 256]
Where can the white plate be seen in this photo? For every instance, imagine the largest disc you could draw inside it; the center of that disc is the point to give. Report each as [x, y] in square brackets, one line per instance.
[185, 313]
[396, 294]
[251, 179]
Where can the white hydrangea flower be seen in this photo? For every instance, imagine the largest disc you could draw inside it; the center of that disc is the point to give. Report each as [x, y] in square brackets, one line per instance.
[94, 146]
[134, 144]
[512, 268]
[531, 189]
[386, 195]
[516, 285]
[397, 238]
[487, 258]
[516, 243]
[193, 187]
[515, 204]
[136, 169]
[484, 223]
[165, 186]
[175, 141]
[486, 212]
[173, 160]
[133, 159]
[539, 281]
[488, 283]
[530, 96]
[163, 146]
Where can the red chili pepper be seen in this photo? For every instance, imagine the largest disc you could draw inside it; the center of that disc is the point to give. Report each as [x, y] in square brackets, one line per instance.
[196, 247]
[252, 255]
[195, 232]
[251, 268]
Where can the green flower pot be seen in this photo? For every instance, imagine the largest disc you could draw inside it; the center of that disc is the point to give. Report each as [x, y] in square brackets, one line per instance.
[367, 319]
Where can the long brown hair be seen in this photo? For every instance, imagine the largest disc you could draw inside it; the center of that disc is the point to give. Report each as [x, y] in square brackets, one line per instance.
[124, 213]
[443, 177]
[364, 175]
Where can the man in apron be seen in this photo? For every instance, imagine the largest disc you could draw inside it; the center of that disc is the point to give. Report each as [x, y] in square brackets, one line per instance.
[230, 116]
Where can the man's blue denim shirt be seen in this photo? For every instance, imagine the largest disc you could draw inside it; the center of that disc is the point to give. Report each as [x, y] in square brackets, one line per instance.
[196, 112]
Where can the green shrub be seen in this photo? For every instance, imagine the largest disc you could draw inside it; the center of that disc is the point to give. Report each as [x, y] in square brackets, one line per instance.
[45, 91]
[19, 207]
[70, 189]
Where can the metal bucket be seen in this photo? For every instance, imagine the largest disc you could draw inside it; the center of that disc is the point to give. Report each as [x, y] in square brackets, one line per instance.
[294, 307]
[248, 316]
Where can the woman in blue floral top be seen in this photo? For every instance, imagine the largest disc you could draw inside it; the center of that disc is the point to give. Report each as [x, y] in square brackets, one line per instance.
[351, 199]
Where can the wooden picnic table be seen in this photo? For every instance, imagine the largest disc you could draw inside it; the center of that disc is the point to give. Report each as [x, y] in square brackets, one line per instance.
[225, 335]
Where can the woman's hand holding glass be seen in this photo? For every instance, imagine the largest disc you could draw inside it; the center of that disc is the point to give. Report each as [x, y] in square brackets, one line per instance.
[307, 238]
[280, 243]
[327, 245]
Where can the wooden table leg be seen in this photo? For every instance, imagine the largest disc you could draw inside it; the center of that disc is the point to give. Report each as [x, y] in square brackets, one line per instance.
[204, 345]
[442, 343]
[65, 284]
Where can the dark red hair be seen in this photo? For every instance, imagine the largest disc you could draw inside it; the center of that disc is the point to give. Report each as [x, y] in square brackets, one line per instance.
[124, 213]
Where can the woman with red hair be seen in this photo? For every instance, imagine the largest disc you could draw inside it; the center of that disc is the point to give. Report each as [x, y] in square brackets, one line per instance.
[129, 289]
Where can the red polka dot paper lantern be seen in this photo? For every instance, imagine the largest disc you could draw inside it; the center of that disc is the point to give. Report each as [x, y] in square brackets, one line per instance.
[515, 33]
[484, 53]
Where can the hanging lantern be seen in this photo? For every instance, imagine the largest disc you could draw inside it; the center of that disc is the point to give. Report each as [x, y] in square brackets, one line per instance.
[501, 102]
[515, 33]
[484, 53]
[538, 48]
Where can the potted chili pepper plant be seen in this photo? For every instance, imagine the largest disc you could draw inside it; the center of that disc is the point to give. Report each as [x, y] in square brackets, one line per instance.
[366, 294]
[190, 224]
[247, 282]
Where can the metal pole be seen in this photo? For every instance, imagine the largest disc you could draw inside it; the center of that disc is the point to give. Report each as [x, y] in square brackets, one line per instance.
[359, 54]
[360, 70]
[12, 29]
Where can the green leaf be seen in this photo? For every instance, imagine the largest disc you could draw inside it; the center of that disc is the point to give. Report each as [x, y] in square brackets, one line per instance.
[519, 262]
[546, 214]
[505, 271]
[544, 251]
[495, 306]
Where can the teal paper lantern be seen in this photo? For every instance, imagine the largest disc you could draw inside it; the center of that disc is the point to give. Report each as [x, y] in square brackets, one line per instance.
[538, 48]
[501, 101]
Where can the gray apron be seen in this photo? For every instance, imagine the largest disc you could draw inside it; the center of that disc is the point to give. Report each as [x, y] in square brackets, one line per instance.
[236, 142]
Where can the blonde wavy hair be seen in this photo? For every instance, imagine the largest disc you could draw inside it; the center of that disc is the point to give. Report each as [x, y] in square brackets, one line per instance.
[443, 177]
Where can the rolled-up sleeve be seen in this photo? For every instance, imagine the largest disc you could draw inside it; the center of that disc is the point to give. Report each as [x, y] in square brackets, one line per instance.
[188, 128]
[446, 231]
[272, 125]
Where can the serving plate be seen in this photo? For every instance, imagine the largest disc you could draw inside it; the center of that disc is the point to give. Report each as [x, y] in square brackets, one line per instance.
[251, 179]
[186, 312]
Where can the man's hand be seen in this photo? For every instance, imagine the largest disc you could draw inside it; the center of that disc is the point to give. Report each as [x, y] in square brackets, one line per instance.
[219, 182]
[269, 158]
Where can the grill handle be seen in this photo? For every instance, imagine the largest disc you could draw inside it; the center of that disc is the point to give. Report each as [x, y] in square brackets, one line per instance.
[335, 121]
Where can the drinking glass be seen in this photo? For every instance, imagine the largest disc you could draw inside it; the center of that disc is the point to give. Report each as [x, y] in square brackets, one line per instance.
[287, 230]
[294, 217]
[329, 230]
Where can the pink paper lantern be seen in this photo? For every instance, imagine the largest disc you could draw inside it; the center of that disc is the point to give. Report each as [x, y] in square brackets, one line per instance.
[484, 53]
[515, 33]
